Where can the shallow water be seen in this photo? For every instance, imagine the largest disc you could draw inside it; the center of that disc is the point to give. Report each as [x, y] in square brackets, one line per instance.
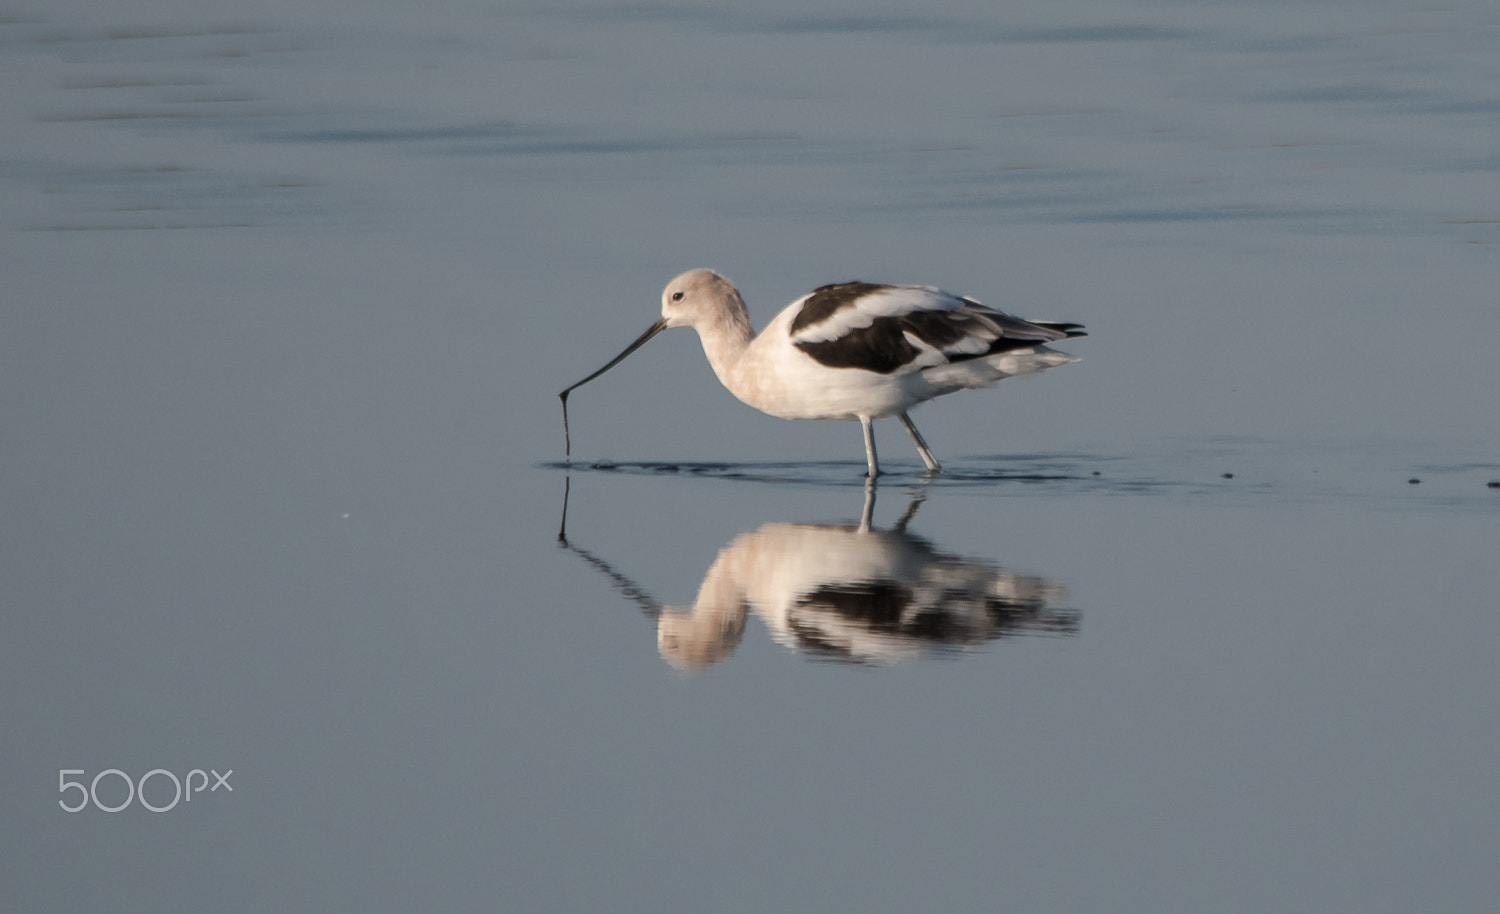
[1204, 622]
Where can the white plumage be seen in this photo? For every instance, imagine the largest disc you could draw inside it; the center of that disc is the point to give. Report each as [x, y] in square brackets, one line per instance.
[853, 351]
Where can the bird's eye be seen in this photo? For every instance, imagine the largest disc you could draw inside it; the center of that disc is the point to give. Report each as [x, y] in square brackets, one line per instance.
[676, 296]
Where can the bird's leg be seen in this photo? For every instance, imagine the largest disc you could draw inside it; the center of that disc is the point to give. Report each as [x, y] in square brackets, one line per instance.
[867, 424]
[932, 465]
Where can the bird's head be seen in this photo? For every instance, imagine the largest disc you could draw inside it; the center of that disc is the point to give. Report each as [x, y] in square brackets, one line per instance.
[698, 296]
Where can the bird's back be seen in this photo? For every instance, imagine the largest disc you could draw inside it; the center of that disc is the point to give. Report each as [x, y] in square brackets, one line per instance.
[891, 329]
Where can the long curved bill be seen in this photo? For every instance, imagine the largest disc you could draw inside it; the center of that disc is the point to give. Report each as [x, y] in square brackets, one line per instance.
[653, 330]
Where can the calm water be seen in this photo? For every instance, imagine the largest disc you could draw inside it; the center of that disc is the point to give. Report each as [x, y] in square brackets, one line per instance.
[289, 296]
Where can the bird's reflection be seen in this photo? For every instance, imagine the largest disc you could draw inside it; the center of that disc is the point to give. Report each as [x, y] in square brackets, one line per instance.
[847, 593]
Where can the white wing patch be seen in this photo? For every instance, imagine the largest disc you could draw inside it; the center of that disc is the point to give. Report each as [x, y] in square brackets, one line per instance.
[862, 312]
[927, 356]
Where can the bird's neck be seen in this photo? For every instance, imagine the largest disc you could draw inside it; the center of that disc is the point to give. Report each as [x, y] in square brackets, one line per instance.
[725, 340]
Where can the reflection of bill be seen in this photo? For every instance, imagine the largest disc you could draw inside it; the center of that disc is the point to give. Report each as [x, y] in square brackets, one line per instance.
[849, 593]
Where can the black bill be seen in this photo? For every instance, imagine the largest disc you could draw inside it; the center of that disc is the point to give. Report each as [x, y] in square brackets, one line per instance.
[653, 330]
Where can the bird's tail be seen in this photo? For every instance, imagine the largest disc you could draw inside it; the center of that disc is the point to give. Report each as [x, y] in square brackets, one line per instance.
[1067, 330]
[984, 371]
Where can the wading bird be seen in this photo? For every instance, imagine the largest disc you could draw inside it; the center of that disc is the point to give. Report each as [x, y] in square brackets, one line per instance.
[852, 351]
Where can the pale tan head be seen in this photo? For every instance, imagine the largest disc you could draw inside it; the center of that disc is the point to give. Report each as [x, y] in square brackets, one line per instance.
[700, 297]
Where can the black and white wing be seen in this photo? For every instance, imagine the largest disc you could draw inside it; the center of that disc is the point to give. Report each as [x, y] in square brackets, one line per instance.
[901, 329]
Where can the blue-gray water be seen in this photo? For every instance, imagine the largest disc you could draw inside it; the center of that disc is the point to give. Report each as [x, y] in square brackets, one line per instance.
[290, 292]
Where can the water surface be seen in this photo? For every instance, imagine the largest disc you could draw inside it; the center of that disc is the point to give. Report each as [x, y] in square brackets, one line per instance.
[1204, 622]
